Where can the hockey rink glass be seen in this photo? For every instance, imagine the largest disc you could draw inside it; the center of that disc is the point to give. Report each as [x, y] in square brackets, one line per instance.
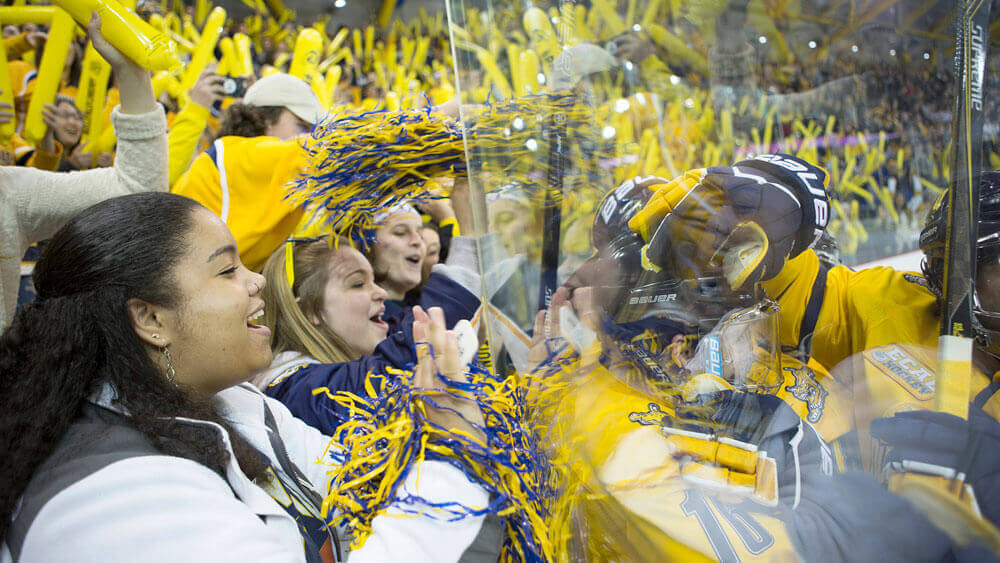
[564, 102]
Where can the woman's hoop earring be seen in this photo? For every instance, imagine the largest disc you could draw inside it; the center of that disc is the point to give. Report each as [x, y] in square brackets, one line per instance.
[171, 372]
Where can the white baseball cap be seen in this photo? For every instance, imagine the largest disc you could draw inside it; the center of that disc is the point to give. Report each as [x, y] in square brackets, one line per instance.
[286, 91]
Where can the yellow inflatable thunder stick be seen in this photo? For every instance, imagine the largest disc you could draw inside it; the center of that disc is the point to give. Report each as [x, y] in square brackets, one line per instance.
[127, 32]
[49, 73]
[201, 11]
[244, 63]
[164, 81]
[536, 23]
[228, 60]
[337, 41]
[18, 15]
[385, 12]
[305, 62]
[206, 46]
[369, 53]
[190, 32]
[6, 96]
[306, 55]
[93, 90]
[173, 23]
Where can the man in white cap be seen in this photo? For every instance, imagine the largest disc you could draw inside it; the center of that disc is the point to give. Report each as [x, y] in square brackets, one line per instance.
[242, 176]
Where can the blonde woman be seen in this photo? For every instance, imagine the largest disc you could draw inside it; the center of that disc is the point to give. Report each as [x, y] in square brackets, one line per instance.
[329, 327]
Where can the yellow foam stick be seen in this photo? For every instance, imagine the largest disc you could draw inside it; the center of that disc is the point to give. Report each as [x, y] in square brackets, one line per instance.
[160, 82]
[127, 32]
[305, 58]
[223, 67]
[201, 11]
[337, 41]
[49, 73]
[228, 63]
[93, 89]
[392, 102]
[244, 62]
[887, 201]
[516, 79]
[606, 11]
[630, 13]
[20, 15]
[322, 92]
[536, 23]
[408, 46]
[173, 22]
[280, 61]
[7, 96]
[184, 45]
[420, 53]
[205, 48]
[390, 57]
[528, 68]
[830, 122]
[356, 42]
[677, 48]
[649, 15]
[369, 42]
[581, 31]
[332, 80]
[380, 79]
[190, 32]
[156, 20]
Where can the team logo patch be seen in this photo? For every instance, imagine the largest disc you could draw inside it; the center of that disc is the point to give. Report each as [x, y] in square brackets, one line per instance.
[904, 369]
[653, 416]
[809, 391]
[919, 280]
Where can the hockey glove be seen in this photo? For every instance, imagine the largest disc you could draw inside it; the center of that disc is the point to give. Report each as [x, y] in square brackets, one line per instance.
[748, 443]
[955, 451]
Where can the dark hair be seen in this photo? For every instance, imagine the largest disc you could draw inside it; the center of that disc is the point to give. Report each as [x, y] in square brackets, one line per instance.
[78, 336]
[241, 120]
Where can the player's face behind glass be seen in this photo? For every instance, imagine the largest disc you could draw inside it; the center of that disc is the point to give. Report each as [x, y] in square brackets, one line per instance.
[212, 338]
[399, 254]
[352, 303]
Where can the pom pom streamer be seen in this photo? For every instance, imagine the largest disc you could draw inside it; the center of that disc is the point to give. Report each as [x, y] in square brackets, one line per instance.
[361, 164]
[388, 432]
[509, 140]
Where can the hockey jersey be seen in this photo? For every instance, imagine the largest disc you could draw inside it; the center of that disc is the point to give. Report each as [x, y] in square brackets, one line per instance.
[638, 501]
[875, 329]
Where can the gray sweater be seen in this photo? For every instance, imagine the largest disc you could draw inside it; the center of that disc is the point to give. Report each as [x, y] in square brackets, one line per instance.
[34, 203]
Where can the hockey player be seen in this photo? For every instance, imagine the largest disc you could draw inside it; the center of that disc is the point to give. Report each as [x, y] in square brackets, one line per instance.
[705, 447]
[876, 328]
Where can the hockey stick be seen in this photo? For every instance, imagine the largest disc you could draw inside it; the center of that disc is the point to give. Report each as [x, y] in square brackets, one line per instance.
[953, 379]
[552, 211]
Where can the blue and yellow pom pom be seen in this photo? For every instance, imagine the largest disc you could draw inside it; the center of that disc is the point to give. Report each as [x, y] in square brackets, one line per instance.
[388, 432]
[359, 165]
